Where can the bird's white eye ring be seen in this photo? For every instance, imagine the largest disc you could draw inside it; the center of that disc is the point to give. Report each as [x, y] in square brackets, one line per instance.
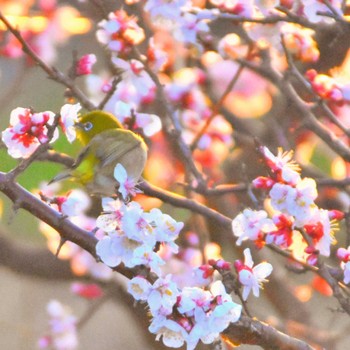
[88, 126]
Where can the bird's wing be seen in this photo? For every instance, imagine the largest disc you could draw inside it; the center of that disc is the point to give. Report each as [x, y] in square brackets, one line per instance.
[109, 146]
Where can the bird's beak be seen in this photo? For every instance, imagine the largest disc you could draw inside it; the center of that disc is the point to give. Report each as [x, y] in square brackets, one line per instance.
[79, 125]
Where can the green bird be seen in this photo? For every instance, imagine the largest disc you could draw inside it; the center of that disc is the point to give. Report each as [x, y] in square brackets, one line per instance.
[106, 143]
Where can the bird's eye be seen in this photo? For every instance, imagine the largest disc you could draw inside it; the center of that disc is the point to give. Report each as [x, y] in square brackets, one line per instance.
[88, 126]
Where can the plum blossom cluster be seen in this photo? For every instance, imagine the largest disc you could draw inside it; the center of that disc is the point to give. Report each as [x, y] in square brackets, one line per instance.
[186, 316]
[62, 333]
[28, 129]
[132, 235]
[294, 212]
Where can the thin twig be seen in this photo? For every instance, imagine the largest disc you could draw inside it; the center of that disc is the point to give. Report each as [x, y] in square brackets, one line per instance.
[115, 82]
[215, 110]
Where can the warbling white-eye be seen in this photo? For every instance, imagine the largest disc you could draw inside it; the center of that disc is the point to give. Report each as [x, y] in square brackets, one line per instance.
[106, 143]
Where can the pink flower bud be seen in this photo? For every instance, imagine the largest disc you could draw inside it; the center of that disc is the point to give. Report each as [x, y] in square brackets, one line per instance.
[238, 265]
[263, 182]
[311, 250]
[312, 259]
[87, 291]
[224, 265]
[84, 65]
[335, 214]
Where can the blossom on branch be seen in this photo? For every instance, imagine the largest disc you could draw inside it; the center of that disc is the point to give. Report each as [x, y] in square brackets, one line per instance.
[126, 185]
[84, 64]
[344, 256]
[68, 118]
[251, 277]
[27, 131]
[252, 224]
[120, 32]
[198, 315]
[149, 123]
[132, 235]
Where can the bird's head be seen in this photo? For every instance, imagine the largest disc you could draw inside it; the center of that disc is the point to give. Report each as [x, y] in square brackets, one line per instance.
[93, 123]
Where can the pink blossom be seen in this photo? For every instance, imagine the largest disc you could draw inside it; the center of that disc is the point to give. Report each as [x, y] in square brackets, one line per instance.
[203, 275]
[68, 118]
[263, 182]
[149, 123]
[251, 224]
[120, 32]
[166, 229]
[139, 288]
[282, 236]
[74, 203]
[251, 277]
[145, 255]
[284, 168]
[320, 228]
[187, 28]
[114, 250]
[134, 74]
[27, 131]
[126, 185]
[343, 254]
[172, 333]
[163, 296]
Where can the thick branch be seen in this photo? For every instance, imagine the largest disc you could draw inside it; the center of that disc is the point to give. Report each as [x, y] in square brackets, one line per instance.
[254, 332]
[182, 202]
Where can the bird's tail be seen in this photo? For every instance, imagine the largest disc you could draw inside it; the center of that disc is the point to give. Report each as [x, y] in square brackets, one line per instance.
[65, 175]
